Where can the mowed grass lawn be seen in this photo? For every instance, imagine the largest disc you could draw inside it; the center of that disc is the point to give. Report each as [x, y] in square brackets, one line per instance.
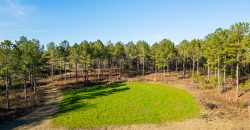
[124, 103]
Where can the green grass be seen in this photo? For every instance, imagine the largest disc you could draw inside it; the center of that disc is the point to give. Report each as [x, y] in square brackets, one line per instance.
[124, 103]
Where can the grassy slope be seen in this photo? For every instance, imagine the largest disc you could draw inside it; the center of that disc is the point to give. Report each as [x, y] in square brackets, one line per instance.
[124, 103]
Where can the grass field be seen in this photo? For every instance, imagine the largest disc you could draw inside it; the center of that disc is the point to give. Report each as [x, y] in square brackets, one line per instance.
[124, 103]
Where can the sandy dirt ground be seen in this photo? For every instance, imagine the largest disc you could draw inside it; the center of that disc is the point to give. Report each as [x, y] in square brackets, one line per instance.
[216, 113]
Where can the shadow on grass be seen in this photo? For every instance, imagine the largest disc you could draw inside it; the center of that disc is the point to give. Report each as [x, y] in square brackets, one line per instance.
[75, 99]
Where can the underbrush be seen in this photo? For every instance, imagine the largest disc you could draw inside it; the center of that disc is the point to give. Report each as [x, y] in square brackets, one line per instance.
[245, 84]
[18, 105]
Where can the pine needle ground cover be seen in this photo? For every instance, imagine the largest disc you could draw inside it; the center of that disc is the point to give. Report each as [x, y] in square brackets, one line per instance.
[123, 104]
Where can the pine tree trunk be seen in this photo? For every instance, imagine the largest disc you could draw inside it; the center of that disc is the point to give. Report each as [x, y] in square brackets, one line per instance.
[98, 70]
[34, 82]
[224, 78]
[215, 73]
[76, 73]
[129, 67]
[7, 91]
[218, 69]
[60, 69]
[85, 73]
[190, 69]
[101, 71]
[184, 69]
[110, 70]
[70, 69]
[237, 77]
[52, 72]
[25, 86]
[70, 73]
[197, 71]
[208, 73]
[10, 81]
[164, 74]
[83, 78]
[138, 65]
[193, 71]
[176, 66]
[143, 66]
[65, 71]
[30, 79]
[248, 68]
[120, 66]
[168, 69]
[155, 69]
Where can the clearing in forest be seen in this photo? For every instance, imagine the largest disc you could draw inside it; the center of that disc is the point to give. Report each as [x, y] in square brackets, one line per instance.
[124, 103]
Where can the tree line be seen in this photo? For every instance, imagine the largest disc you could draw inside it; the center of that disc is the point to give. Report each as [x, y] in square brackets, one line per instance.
[222, 53]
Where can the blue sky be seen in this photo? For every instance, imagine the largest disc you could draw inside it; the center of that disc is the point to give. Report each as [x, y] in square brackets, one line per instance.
[117, 20]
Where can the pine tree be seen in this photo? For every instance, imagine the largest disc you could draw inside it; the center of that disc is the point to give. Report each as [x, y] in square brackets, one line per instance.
[7, 63]
[143, 51]
[74, 54]
[184, 54]
[85, 57]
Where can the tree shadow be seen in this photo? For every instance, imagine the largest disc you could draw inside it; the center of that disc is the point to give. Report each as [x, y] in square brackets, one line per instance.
[244, 92]
[74, 99]
[77, 101]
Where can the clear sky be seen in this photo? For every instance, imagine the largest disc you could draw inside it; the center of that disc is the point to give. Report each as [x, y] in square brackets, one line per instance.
[117, 20]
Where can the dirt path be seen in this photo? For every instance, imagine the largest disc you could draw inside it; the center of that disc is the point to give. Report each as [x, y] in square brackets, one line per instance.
[40, 117]
[193, 124]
